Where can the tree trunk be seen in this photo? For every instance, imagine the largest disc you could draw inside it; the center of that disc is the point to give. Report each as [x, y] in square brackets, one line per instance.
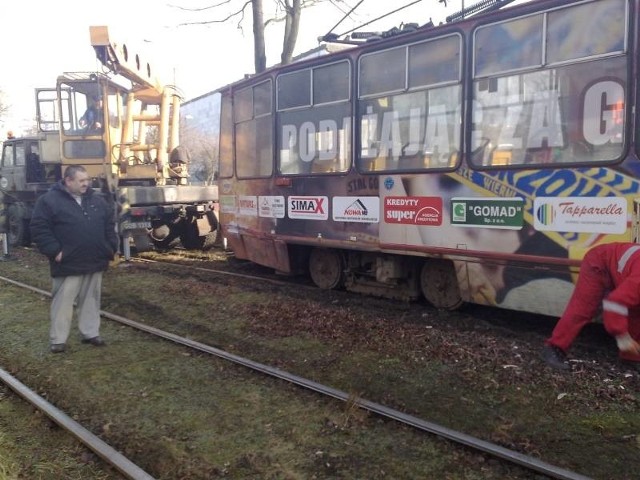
[292, 24]
[258, 36]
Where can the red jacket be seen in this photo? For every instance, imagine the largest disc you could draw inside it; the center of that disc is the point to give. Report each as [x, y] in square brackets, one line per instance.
[622, 262]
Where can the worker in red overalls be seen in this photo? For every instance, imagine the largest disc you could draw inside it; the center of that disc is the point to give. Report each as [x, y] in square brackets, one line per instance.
[609, 279]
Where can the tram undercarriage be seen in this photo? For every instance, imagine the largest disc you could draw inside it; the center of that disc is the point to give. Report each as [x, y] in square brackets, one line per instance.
[386, 275]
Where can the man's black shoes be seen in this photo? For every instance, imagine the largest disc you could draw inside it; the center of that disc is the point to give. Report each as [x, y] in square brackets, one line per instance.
[61, 347]
[555, 357]
[95, 341]
[57, 347]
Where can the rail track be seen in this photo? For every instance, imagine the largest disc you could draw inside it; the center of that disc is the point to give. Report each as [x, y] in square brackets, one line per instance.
[265, 278]
[121, 464]
[105, 451]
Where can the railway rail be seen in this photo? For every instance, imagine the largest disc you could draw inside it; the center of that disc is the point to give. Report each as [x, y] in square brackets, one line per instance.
[215, 270]
[505, 454]
[105, 451]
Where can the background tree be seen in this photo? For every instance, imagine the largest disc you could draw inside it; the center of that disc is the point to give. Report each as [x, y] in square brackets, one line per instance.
[4, 106]
[202, 146]
[259, 49]
[287, 11]
[31, 130]
[293, 10]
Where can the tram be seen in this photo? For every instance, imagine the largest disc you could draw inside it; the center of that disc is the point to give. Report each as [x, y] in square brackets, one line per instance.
[475, 161]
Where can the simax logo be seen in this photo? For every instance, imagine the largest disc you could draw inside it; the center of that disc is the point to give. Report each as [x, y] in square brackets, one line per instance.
[307, 205]
[308, 208]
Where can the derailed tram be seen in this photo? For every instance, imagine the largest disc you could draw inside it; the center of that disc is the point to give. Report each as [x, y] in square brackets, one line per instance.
[475, 161]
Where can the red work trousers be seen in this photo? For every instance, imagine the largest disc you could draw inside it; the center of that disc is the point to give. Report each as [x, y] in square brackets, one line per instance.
[592, 287]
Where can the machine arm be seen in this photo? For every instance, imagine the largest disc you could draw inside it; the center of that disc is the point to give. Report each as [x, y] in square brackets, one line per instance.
[118, 58]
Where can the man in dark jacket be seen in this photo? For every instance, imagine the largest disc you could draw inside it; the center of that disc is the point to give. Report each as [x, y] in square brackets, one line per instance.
[75, 229]
[91, 120]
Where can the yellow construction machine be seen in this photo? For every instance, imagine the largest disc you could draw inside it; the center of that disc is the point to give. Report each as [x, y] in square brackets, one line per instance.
[122, 125]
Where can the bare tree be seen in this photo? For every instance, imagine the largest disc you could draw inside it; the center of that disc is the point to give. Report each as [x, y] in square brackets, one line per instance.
[203, 153]
[287, 11]
[292, 23]
[4, 106]
[32, 130]
[259, 49]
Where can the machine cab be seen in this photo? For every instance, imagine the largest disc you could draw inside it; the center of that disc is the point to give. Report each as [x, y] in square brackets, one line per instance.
[86, 111]
[12, 165]
[22, 165]
[120, 134]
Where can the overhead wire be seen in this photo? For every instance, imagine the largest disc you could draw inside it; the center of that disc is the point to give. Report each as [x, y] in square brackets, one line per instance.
[345, 17]
[380, 17]
[367, 23]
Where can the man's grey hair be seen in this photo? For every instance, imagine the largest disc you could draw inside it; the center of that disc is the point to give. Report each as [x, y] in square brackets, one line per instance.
[72, 170]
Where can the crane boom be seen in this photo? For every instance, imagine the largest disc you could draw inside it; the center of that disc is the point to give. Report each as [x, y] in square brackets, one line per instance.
[122, 60]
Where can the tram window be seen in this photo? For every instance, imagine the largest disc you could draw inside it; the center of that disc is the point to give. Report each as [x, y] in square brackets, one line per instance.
[570, 114]
[243, 105]
[262, 99]
[434, 62]
[315, 140]
[570, 31]
[254, 148]
[383, 72]
[294, 89]
[253, 132]
[246, 149]
[331, 83]
[508, 46]
[413, 131]
[226, 138]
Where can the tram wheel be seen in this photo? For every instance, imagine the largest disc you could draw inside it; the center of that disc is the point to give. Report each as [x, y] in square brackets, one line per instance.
[439, 284]
[326, 268]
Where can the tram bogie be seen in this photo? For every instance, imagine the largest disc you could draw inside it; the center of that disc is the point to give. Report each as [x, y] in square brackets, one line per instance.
[390, 276]
[397, 277]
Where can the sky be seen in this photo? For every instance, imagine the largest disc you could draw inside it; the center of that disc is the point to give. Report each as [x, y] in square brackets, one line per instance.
[49, 38]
